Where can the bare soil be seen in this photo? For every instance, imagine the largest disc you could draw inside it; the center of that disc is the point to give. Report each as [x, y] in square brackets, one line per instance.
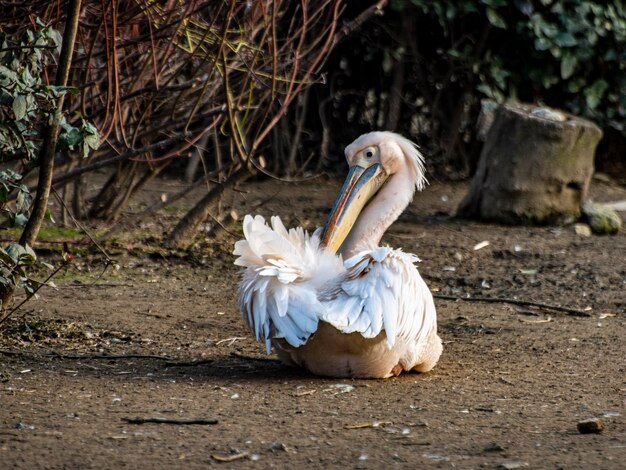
[161, 337]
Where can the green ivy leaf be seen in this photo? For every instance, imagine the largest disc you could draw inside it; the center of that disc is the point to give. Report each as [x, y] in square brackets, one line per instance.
[20, 220]
[568, 64]
[14, 250]
[495, 19]
[595, 92]
[48, 216]
[550, 30]
[8, 76]
[19, 107]
[90, 134]
[542, 44]
[60, 90]
[565, 39]
[6, 258]
[29, 289]
[575, 85]
[69, 137]
[22, 200]
[549, 80]
[28, 256]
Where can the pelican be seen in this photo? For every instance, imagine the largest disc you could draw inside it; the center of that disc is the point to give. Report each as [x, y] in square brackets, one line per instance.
[335, 302]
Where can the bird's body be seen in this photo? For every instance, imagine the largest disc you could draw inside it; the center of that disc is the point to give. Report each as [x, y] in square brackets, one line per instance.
[371, 315]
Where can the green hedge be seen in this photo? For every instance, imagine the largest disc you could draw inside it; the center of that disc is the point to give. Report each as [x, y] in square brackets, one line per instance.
[443, 57]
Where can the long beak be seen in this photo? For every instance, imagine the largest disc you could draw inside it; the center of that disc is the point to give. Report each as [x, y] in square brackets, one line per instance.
[360, 185]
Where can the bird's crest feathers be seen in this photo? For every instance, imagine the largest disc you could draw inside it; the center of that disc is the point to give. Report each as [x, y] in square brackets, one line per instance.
[412, 155]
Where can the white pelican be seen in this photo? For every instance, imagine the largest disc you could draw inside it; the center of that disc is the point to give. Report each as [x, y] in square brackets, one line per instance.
[370, 316]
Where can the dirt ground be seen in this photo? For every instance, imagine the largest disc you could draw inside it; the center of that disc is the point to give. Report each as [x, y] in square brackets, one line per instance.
[160, 336]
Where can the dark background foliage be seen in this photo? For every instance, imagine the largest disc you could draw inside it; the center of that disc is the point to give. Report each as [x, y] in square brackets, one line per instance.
[424, 68]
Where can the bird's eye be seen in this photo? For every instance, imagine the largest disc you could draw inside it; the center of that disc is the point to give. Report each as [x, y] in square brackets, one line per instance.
[369, 153]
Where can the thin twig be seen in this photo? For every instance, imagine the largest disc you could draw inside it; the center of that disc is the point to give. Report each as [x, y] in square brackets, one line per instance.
[349, 28]
[506, 300]
[26, 46]
[82, 227]
[230, 457]
[545, 320]
[252, 358]
[223, 227]
[374, 424]
[28, 297]
[5, 352]
[193, 363]
[110, 357]
[182, 421]
[102, 285]
[230, 341]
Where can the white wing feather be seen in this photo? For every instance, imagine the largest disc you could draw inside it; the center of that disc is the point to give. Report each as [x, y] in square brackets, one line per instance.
[283, 271]
[381, 290]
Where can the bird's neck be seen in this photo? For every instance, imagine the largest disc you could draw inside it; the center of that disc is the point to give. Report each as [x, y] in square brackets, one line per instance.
[382, 211]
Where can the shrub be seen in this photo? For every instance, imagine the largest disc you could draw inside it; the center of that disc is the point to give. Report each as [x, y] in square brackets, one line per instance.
[424, 67]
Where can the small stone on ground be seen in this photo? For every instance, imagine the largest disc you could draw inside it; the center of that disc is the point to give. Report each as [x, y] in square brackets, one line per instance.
[602, 220]
[590, 426]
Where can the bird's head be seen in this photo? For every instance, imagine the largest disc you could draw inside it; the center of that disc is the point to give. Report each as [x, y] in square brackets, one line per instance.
[373, 159]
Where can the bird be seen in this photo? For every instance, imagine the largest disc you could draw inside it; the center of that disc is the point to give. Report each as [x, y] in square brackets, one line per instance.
[334, 302]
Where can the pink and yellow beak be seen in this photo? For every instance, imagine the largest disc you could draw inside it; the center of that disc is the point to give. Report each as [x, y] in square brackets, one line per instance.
[360, 186]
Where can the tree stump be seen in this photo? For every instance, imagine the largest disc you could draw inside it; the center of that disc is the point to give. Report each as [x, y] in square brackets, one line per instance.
[535, 167]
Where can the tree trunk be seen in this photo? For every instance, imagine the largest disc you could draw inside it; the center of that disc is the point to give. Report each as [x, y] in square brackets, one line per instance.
[78, 200]
[148, 175]
[183, 233]
[46, 167]
[134, 219]
[197, 156]
[119, 182]
[535, 167]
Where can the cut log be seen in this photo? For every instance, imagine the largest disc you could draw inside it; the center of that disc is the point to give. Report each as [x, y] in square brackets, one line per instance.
[535, 167]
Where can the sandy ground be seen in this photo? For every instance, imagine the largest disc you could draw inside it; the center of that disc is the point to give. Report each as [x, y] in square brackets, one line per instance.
[161, 337]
